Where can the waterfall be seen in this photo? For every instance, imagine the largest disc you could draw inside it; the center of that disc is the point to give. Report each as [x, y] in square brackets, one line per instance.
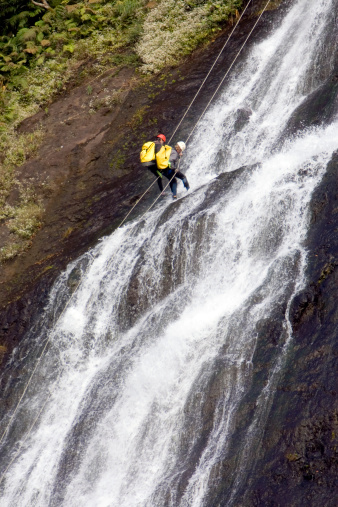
[150, 357]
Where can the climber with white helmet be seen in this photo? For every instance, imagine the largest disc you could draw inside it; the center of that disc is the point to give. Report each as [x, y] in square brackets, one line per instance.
[173, 168]
[163, 160]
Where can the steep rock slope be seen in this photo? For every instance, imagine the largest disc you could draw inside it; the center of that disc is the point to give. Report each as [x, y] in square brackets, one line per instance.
[296, 459]
[88, 169]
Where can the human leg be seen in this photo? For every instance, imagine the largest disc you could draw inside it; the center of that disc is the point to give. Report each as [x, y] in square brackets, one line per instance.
[183, 177]
[173, 186]
[153, 169]
[170, 175]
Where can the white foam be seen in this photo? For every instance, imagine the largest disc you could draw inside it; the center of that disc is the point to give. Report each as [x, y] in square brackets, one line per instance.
[142, 379]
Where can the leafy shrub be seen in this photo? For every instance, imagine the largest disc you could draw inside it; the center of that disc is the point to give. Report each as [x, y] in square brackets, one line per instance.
[176, 27]
[40, 50]
[27, 220]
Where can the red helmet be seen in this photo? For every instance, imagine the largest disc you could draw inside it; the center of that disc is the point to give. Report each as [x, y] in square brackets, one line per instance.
[163, 137]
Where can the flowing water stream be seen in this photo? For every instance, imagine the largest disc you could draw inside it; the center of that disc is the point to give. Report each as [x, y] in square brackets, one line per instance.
[147, 364]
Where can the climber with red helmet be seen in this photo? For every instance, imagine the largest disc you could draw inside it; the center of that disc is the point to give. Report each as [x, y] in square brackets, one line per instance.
[163, 160]
[148, 157]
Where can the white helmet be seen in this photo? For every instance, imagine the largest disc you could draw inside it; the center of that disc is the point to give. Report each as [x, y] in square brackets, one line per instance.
[181, 144]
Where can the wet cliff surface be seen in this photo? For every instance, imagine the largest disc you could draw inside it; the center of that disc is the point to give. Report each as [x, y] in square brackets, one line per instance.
[299, 459]
[89, 163]
[294, 460]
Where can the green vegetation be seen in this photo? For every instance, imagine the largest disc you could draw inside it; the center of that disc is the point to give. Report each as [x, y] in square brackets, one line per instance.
[43, 43]
[176, 27]
[24, 218]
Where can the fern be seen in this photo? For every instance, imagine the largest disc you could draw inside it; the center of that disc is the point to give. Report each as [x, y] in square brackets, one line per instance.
[60, 11]
[48, 18]
[70, 23]
[125, 9]
[43, 26]
[7, 68]
[19, 82]
[19, 20]
[16, 14]
[68, 48]
[26, 34]
[31, 48]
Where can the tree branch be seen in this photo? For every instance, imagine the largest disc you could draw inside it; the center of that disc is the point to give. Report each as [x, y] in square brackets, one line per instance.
[44, 4]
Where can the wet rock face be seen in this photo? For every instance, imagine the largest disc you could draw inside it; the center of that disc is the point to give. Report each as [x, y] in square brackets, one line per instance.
[139, 297]
[243, 116]
[96, 182]
[298, 456]
[321, 106]
[296, 459]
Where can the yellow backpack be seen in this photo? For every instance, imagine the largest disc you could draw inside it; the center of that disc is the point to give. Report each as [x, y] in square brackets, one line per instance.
[162, 157]
[148, 152]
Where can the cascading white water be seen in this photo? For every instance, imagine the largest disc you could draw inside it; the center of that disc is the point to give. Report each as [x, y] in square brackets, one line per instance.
[124, 394]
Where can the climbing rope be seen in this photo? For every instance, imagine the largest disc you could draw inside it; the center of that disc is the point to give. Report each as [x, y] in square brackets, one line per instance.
[30, 379]
[158, 197]
[211, 99]
[25, 389]
[186, 112]
[226, 74]
[27, 434]
[136, 203]
[70, 299]
[211, 68]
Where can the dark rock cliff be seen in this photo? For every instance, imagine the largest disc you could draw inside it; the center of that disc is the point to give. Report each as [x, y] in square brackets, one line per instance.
[91, 162]
[294, 462]
[296, 458]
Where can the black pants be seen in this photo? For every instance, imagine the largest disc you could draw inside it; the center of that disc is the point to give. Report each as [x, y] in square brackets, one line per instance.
[153, 169]
[168, 173]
